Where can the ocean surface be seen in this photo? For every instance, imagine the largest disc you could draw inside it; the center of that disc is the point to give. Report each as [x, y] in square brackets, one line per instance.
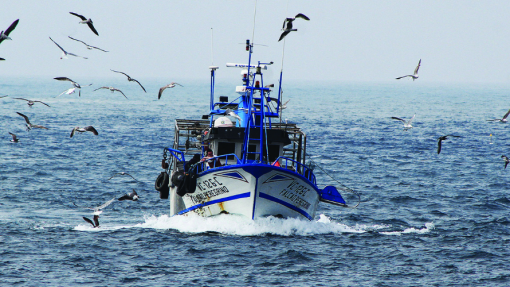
[426, 219]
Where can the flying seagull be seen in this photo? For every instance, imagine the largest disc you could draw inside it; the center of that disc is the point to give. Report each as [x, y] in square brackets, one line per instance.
[4, 35]
[414, 75]
[31, 102]
[129, 78]
[65, 53]
[85, 129]
[506, 159]
[122, 173]
[407, 124]
[88, 46]
[171, 85]
[84, 20]
[29, 125]
[442, 138]
[130, 196]
[67, 92]
[112, 89]
[97, 210]
[14, 138]
[288, 22]
[284, 106]
[75, 84]
[503, 120]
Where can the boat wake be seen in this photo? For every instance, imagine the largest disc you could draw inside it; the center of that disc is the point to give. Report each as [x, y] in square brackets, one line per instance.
[239, 225]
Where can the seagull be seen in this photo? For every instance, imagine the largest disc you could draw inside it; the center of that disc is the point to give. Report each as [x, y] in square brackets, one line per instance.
[506, 159]
[14, 138]
[65, 53]
[442, 138]
[503, 120]
[31, 102]
[75, 84]
[229, 112]
[112, 89]
[288, 21]
[67, 92]
[171, 85]
[284, 106]
[4, 35]
[407, 124]
[414, 75]
[29, 125]
[97, 210]
[85, 129]
[88, 46]
[130, 79]
[4, 96]
[84, 20]
[130, 196]
[122, 173]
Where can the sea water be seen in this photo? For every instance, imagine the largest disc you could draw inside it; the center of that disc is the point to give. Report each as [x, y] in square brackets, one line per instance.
[425, 219]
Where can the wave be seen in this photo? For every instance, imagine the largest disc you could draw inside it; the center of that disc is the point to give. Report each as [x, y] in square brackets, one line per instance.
[242, 226]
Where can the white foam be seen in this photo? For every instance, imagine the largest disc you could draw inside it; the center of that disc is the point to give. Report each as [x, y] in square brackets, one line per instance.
[428, 227]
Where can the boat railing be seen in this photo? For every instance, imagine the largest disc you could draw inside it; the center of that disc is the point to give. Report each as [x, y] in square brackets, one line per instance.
[296, 166]
[217, 161]
[175, 153]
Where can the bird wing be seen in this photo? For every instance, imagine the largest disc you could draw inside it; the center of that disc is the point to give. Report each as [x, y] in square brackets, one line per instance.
[302, 16]
[58, 46]
[506, 115]
[417, 68]
[101, 88]
[78, 15]
[105, 204]
[174, 83]
[439, 146]
[14, 138]
[21, 99]
[77, 40]
[63, 79]
[403, 77]
[120, 92]
[72, 134]
[506, 163]
[2, 59]
[284, 21]
[395, 118]
[120, 73]
[161, 91]
[91, 129]
[13, 25]
[97, 48]
[71, 54]
[91, 26]
[283, 35]
[39, 127]
[42, 103]
[409, 122]
[140, 85]
[26, 118]
[89, 221]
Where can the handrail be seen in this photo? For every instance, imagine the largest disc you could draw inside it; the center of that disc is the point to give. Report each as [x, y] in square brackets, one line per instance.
[307, 172]
[213, 162]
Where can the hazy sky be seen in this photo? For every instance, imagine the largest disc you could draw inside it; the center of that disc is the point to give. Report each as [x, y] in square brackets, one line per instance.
[458, 41]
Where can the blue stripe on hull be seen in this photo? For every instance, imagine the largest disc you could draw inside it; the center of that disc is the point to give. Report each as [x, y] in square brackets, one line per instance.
[269, 197]
[234, 197]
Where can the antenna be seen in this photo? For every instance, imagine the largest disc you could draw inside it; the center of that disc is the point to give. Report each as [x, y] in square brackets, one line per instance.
[254, 16]
[212, 62]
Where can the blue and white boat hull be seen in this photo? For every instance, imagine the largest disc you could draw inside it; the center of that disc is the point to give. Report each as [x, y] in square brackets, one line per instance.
[251, 190]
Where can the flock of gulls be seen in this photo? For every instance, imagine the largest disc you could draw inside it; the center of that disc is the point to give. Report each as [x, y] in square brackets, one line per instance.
[75, 86]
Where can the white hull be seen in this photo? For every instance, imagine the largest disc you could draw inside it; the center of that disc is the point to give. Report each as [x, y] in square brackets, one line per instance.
[252, 190]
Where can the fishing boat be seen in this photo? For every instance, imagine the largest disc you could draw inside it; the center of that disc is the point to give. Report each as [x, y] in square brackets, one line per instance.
[240, 158]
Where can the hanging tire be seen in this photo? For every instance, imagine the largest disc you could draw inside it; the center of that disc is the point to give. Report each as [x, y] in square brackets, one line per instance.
[161, 185]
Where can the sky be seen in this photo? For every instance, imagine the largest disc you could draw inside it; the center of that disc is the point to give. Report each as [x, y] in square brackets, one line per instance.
[458, 41]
